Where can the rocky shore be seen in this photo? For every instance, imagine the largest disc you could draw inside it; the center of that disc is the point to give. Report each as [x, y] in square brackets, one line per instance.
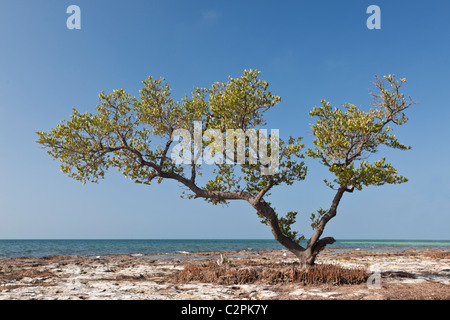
[406, 275]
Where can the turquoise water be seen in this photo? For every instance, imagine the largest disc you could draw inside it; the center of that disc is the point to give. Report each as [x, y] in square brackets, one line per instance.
[39, 248]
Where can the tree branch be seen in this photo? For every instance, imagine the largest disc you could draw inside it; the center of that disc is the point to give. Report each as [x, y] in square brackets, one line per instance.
[322, 243]
[166, 149]
[264, 190]
[326, 217]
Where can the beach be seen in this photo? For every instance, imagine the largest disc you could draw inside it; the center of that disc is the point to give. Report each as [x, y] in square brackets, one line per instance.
[411, 274]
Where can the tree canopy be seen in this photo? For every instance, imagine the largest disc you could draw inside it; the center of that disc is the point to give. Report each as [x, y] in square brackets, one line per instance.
[135, 135]
[346, 137]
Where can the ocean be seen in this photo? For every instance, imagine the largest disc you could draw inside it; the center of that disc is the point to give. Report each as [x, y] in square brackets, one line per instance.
[41, 248]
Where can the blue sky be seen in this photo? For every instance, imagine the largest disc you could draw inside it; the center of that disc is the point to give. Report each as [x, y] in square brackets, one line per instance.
[306, 50]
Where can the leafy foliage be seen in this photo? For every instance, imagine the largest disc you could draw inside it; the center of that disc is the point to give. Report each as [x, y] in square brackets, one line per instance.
[133, 135]
[345, 137]
[315, 219]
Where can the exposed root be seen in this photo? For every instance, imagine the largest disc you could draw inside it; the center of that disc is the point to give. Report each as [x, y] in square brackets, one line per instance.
[272, 274]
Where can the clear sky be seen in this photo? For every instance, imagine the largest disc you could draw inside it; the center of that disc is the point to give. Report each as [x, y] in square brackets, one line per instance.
[306, 50]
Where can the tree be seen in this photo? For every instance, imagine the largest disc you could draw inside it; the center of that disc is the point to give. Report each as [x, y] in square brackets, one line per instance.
[119, 135]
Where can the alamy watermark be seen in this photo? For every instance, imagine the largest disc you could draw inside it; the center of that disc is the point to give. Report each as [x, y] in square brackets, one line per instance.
[374, 21]
[374, 280]
[229, 148]
[74, 20]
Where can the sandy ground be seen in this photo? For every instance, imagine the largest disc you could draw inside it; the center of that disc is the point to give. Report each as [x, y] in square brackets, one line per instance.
[405, 275]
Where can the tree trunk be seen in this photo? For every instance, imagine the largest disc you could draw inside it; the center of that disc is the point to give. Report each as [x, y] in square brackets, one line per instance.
[267, 211]
[306, 256]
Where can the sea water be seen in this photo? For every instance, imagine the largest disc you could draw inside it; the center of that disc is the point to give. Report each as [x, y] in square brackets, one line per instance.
[40, 248]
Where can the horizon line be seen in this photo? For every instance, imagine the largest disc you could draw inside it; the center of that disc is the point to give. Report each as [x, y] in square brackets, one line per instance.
[220, 239]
